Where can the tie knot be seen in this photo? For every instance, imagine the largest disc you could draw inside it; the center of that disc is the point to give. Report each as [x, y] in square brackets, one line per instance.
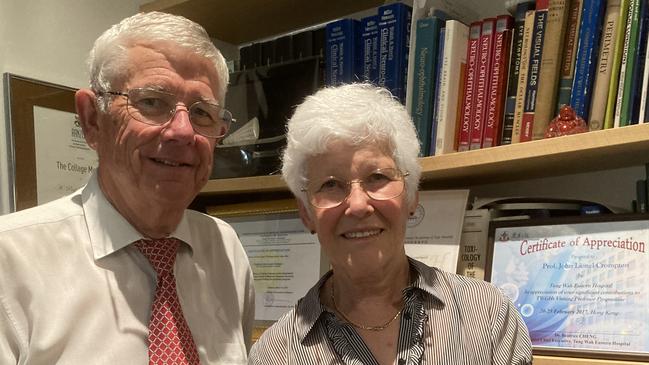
[161, 253]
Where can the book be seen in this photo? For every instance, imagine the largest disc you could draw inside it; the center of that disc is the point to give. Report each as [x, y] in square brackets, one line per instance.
[456, 38]
[586, 58]
[569, 53]
[534, 68]
[497, 81]
[549, 74]
[514, 67]
[426, 48]
[522, 76]
[438, 86]
[639, 64]
[473, 243]
[394, 40]
[625, 90]
[604, 68]
[473, 52]
[616, 72]
[369, 52]
[302, 44]
[341, 61]
[643, 115]
[487, 34]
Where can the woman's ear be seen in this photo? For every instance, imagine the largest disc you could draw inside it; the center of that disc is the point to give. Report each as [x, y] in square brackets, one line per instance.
[412, 207]
[85, 101]
[305, 216]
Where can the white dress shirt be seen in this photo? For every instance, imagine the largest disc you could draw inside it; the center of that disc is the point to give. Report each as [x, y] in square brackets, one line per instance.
[73, 290]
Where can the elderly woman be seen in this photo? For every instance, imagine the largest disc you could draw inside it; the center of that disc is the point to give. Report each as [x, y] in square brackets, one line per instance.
[351, 161]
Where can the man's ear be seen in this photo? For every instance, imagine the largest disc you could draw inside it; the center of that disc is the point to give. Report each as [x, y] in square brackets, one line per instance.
[85, 101]
[305, 217]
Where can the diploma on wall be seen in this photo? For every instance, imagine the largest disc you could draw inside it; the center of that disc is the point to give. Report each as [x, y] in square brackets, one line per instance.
[63, 159]
[285, 260]
[434, 230]
[581, 285]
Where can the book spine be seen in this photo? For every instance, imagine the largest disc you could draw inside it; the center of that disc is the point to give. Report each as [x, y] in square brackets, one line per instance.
[468, 102]
[498, 81]
[585, 61]
[569, 53]
[425, 62]
[546, 95]
[394, 37]
[369, 52]
[536, 54]
[644, 111]
[473, 243]
[522, 77]
[639, 64]
[478, 122]
[453, 65]
[438, 86]
[629, 63]
[340, 64]
[604, 66]
[514, 68]
[617, 72]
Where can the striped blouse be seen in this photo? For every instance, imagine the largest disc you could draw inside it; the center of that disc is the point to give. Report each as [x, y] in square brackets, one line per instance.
[447, 319]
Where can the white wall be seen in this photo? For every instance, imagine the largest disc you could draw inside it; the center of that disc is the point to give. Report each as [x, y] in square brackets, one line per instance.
[48, 40]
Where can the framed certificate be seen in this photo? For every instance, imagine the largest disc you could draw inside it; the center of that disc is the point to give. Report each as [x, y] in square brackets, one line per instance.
[580, 284]
[48, 155]
[285, 257]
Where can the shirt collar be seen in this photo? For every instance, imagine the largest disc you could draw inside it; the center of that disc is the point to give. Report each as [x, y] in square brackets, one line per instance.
[309, 309]
[108, 230]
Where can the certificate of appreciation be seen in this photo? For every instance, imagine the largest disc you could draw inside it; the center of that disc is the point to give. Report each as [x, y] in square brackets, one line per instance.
[579, 286]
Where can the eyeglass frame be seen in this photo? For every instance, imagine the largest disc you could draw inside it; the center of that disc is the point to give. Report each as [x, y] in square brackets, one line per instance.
[402, 178]
[174, 110]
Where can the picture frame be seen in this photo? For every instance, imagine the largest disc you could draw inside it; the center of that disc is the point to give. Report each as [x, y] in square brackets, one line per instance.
[22, 96]
[286, 259]
[579, 283]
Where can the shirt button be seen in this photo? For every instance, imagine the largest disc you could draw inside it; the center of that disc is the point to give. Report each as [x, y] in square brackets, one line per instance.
[407, 315]
[402, 362]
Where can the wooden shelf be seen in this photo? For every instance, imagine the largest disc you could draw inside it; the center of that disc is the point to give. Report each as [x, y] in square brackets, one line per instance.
[551, 360]
[600, 150]
[243, 21]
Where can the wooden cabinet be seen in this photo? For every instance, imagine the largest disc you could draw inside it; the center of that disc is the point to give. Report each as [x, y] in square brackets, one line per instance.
[243, 21]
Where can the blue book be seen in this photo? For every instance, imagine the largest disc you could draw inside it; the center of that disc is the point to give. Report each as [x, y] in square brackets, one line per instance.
[590, 31]
[394, 39]
[369, 52]
[639, 65]
[341, 48]
[438, 87]
[425, 65]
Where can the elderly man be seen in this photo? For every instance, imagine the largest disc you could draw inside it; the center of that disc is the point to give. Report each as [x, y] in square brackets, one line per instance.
[120, 272]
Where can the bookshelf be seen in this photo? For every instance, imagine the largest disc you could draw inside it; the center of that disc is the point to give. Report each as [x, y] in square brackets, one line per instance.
[592, 151]
[237, 22]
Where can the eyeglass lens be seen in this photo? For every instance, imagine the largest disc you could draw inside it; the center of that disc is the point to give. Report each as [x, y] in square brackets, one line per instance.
[381, 184]
[155, 107]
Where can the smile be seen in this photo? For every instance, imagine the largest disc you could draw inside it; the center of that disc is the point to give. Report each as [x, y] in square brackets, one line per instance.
[170, 163]
[362, 234]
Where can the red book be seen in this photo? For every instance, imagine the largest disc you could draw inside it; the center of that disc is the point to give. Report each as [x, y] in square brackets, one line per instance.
[498, 81]
[472, 54]
[487, 33]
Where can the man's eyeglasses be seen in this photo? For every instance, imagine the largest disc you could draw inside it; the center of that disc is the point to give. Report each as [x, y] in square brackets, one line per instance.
[380, 184]
[157, 107]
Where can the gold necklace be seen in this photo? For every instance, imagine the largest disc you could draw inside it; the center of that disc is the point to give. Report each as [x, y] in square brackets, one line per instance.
[360, 326]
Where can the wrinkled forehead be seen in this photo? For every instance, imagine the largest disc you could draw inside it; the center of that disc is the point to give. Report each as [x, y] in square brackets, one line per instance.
[152, 56]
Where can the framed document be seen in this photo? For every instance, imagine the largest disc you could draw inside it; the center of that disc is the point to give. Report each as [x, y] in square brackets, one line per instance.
[47, 151]
[285, 257]
[581, 284]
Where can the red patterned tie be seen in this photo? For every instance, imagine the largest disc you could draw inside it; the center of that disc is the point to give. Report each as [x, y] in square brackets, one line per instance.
[170, 340]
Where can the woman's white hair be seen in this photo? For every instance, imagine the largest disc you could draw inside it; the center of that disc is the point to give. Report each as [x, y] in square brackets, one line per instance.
[107, 60]
[356, 114]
